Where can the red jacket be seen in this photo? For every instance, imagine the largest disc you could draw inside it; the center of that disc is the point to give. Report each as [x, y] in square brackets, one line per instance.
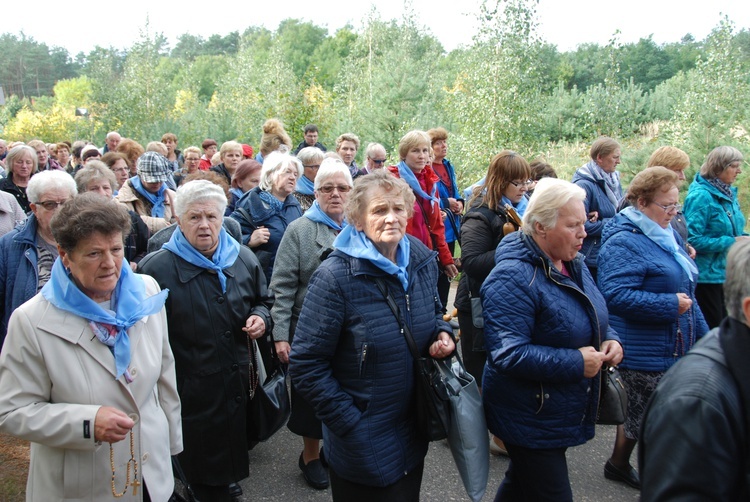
[432, 231]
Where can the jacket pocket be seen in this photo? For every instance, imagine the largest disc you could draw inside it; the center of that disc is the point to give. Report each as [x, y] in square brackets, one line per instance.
[77, 475]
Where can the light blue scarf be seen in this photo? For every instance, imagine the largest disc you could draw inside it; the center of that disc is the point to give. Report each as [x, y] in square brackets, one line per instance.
[357, 245]
[410, 178]
[305, 186]
[132, 306]
[318, 216]
[157, 199]
[224, 257]
[662, 237]
[520, 207]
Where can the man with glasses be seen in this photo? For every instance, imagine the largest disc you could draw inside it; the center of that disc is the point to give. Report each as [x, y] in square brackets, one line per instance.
[311, 139]
[376, 157]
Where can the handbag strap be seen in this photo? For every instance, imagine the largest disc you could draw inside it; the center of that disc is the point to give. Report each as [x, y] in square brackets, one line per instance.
[177, 469]
[383, 287]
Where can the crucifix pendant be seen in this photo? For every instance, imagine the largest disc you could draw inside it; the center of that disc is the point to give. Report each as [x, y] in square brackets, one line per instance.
[135, 485]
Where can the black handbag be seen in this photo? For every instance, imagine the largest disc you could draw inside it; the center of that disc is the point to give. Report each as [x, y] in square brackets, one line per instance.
[432, 398]
[268, 405]
[189, 495]
[613, 404]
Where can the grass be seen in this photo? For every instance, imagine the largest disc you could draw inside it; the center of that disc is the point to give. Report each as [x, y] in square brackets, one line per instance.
[14, 468]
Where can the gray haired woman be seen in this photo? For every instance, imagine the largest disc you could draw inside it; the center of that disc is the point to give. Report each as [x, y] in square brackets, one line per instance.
[20, 165]
[306, 243]
[311, 157]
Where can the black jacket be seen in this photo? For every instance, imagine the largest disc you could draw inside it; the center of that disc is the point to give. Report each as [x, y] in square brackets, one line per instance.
[211, 358]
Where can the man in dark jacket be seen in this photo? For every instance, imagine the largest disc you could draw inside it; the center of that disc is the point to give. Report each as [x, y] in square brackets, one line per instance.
[311, 139]
[696, 429]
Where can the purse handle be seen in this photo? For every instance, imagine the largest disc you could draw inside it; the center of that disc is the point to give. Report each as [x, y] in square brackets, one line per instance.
[397, 312]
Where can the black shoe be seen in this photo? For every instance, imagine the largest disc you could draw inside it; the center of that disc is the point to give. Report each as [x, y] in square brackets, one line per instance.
[314, 473]
[628, 476]
[235, 490]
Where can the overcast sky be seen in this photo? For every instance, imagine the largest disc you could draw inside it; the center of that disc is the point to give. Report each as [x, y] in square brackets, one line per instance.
[83, 24]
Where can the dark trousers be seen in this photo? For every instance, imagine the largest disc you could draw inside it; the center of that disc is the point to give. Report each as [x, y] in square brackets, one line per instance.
[405, 489]
[474, 359]
[444, 284]
[710, 298]
[535, 476]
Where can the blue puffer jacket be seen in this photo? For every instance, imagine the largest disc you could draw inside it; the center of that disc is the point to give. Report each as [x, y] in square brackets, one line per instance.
[713, 221]
[453, 221]
[19, 276]
[351, 362]
[640, 282]
[596, 200]
[535, 320]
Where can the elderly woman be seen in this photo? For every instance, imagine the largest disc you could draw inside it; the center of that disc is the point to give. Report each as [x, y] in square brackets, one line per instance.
[547, 335]
[651, 300]
[601, 182]
[11, 213]
[118, 163]
[350, 359]
[87, 361]
[245, 178]
[270, 205]
[231, 156]
[28, 251]
[311, 157]
[62, 150]
[346, 147]
[273, 139]
[218, 299]
[306, 243]
[147, 195]
[191, 164]
[426, 221]
[44, 161]
[715, 221]
[20, 166]
[98, 178]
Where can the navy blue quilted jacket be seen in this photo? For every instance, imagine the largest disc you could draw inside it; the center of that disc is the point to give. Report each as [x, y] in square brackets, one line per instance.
[19, 277]
[351, 362]
[535, 320]
[640, 282]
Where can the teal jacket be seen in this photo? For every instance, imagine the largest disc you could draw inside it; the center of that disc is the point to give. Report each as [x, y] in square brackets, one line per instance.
[713, 221]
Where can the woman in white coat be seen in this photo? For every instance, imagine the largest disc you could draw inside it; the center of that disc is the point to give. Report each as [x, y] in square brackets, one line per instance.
[87, 373]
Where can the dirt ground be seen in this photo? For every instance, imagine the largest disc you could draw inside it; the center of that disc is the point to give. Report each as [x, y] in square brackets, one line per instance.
[14, 467]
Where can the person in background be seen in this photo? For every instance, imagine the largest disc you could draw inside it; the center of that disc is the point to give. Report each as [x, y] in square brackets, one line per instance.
[694, 436]
[451, 202]
[376, 157]
[3, 152]
[715, 222]
[147, 194]
[539, 170]
[174, 156]
[44, 161]
[118, 163]
[601, 181]
[63, 156]
[231, 156]
[346, 146]
[20, 166]
[349, 358]
[209, 149]
[274, 138]
[311, 157]
[90, 152]
[111, 141]
[11, 213]
[247, 151]
[245, 178]
[192, 160]
[651, 300]
[28, 251]
[132, 151]
[547, 334]
[310, 139]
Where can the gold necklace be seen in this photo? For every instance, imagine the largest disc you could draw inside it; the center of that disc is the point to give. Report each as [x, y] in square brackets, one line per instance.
[135, 484]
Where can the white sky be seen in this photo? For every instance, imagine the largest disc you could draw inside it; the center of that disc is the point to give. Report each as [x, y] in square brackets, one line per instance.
[83, 24]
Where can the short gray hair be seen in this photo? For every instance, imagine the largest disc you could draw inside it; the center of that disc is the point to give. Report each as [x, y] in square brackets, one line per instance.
[95, 170]
[310, 154]
[45, 181]
[328, 168]
[550, 194]
[17, 151]
[372, 148]
[737, 283]
[719, 159]
[274, 164]
[199, 191]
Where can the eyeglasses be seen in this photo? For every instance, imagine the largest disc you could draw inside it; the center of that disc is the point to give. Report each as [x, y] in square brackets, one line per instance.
[50, 205]
[313, 166]
[330, 188]
[192, 159]
[670, 208]
[521, 184]
[378, 162]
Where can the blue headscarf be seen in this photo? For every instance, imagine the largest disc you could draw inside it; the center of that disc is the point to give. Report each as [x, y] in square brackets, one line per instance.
[318, 216]
[132, 306]
[305, 186]
[357, 245]
[410, 178]
[662, 237]
[157, 199]
[224, 257]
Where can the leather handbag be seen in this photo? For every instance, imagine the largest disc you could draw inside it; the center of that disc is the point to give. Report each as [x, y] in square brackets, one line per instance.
[613, 403]
[268, 405]
[187, 494]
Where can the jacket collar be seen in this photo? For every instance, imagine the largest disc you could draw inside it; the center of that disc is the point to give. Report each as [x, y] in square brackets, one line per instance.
[27, 233]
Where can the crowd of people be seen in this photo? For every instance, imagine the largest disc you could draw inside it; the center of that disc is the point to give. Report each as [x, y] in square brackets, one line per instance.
[138, 283]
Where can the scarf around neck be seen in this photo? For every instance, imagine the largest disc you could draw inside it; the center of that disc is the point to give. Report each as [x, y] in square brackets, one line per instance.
[157, 200]
[132, 306]
[305, 186]
[662, 237]
[410, 178]
[612, 187]
[274, 204]
[356, 244]
[316, 214]
[520, 207]
[724, 188]
[224, 257]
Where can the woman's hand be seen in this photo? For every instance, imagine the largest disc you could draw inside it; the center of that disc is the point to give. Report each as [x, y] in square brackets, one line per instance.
[684, 303]
[612, 351]
[111, 425]
[255, 326]
[282, 350]
[451, 271]
[443, 346]
[691, 252]
[592, 361]
[259, 237]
